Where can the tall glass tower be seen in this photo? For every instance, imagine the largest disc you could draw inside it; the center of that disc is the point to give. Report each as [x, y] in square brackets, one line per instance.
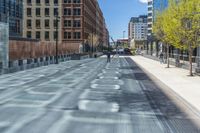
[155, 7]
[12, 11]
[159, 6]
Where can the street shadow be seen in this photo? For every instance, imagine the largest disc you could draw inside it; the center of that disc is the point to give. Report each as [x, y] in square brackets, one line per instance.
[167, 106]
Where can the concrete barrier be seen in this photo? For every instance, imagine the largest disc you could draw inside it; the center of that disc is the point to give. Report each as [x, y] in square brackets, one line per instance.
[19, 65]
[84, 57]
[79, 57]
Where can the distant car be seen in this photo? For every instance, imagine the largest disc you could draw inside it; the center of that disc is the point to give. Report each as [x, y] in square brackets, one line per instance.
[127, 51]
[121, 51]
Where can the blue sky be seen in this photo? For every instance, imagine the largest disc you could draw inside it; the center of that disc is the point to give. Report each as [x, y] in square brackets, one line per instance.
[118, 13]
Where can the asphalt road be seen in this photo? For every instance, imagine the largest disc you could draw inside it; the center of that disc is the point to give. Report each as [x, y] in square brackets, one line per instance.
[91, 96]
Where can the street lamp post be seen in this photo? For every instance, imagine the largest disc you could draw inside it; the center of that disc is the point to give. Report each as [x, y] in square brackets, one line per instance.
[57, 20]
[92, 41]
[123, 37]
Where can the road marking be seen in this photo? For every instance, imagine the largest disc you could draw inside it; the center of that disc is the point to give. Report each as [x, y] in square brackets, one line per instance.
[98, 106]
[103, 77]
[95, 86]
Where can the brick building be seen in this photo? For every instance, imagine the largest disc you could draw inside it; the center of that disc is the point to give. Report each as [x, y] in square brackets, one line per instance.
[81, 22]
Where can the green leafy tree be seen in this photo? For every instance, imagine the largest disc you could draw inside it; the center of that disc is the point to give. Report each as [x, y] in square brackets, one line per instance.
[179, 25]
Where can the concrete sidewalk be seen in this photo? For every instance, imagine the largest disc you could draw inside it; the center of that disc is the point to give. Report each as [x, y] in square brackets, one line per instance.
[177, 79]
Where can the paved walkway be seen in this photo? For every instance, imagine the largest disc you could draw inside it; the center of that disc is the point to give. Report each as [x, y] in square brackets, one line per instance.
[188, 88]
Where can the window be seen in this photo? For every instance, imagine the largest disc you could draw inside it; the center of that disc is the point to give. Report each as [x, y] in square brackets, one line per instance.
[77, 23]
[56, 13]
[77, 35]
[38, 24]
[76, 11]
[67, 35]
[37, 2]
[29, 24]
[67, 1]
[47, 2]
[46, 35]
[37, 11]
[76, 1]
[150, 14]
[150, 9]
[67, 11]
[55, 23]
[46, 23]
[46, 11]
[55, 2]
[28, 2]
[67, 23]
[55, 35]
[37, 35]
[28, 34]
[29, 12]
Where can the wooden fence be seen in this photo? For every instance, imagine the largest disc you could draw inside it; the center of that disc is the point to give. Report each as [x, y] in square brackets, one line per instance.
[26, 48]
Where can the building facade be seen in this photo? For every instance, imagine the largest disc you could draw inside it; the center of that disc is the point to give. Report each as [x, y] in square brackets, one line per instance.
[138, 28]
[81, 22]
[122, 43]
[40, 19]
[154, 7]
[84, 23]
[150, 17]
[12, 11]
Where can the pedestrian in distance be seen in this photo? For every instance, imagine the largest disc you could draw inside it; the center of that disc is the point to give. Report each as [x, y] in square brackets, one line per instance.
[161, 58]
[108, 56]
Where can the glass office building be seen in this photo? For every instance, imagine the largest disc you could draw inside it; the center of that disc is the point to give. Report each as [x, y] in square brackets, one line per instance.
[12, 11]
[159, 6]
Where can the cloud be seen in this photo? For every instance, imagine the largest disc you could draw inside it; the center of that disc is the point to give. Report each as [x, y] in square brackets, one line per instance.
[143, 1]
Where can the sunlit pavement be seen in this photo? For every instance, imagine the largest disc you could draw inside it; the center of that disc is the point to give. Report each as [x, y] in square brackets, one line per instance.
[89, 96]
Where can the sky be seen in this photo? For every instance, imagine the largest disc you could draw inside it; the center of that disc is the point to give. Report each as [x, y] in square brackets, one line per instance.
[117, 14]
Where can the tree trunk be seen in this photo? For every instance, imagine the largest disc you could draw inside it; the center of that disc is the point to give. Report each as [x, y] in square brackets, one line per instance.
[190, 60]
[167, 55]
[177, 57]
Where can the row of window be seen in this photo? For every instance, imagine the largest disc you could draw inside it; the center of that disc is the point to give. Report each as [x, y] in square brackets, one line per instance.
[47, 2]
[67, 35]
[74, 23]
[38, 2]
[67, 23]
[38, 12]
[72, 1]
[67, 12]
[70, 11]
[38, 23]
